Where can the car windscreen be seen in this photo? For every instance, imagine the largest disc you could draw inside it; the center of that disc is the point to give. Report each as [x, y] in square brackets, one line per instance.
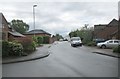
[75, 39]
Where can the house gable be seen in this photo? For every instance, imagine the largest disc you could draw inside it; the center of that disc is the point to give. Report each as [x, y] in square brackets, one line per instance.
[4, 27]
[113, 23]
[108, 32]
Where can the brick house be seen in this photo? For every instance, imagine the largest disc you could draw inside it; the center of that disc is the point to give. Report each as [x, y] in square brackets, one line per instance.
[98, 29]
[106, 31]
[13, 35]
[4, 27]
[8, 33]
[38, 32]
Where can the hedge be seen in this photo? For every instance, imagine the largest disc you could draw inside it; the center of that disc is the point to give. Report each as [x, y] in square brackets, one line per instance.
[116, 49]
[40, 40]
[45, 39]
[92, 43]
[11, 49]
[28, 45]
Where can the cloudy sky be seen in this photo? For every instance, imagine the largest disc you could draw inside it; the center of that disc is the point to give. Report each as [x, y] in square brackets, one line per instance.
[60, 17]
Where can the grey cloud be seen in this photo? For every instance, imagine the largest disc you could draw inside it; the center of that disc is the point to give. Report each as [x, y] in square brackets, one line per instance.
[50, 16]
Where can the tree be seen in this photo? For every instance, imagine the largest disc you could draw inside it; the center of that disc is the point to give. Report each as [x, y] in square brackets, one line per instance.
[58, 37]
[19, 26]
[85, 33]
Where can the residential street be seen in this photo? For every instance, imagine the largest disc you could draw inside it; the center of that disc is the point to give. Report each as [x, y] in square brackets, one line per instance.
[65, 61]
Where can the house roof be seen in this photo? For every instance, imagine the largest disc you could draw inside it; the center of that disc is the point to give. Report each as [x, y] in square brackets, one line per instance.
[114, 22]
[3, 18]
[37, 31]
[101, 25]
[14, 33]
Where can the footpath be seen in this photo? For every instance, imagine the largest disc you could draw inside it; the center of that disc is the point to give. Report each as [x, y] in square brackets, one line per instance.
[40, 52]
[107, 52]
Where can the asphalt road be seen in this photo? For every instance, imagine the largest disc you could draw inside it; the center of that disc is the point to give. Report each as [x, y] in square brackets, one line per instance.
[65, 61]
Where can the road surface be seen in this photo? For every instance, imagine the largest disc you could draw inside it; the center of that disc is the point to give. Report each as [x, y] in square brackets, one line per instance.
[65, 61]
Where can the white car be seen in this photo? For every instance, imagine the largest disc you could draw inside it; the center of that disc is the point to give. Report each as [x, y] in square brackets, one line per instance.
[76, 41]
[109, 44]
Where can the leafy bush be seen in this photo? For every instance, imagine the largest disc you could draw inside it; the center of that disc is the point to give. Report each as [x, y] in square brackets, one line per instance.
[28, 45]
[116, 49]
[46, 39]
[91, 43]
[11, 49]
[40, 40]
[5, 45]
[34, 38]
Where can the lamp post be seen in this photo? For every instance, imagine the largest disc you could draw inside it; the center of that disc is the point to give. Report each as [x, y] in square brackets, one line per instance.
[34, 17]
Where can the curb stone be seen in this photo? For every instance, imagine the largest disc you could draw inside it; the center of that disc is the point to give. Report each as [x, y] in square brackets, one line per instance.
[31, 59]
[106, 54]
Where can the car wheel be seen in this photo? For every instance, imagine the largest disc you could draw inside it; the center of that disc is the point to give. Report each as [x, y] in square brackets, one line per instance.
[103, 46]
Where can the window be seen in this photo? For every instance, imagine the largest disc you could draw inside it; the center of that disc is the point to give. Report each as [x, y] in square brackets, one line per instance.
[116, 41]
[110, 42]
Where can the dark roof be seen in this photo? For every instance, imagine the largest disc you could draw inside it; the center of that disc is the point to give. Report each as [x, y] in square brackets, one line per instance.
[37, 31]
[101, 25]
[16, 34]
[114, 22]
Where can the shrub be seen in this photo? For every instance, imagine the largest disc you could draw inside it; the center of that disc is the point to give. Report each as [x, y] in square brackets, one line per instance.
[116, 49]
[28, 45]
[11, 49]
[92, 43]
[35, 40]
[40, 40]
[46, 39]
[5, 45]
[16, 49]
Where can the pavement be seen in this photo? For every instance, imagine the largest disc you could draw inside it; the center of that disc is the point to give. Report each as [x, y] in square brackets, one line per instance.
[40, 52]
[107, 52]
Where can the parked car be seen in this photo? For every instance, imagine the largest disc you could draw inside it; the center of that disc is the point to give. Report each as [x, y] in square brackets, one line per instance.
[76, 41]
[65, 40]
[60, 39]
[99, 40]
[109, 44]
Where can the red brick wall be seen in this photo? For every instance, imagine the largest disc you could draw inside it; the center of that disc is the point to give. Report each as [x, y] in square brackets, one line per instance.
[5, 28]
[12, 38]
[107, 32]
[31, 35]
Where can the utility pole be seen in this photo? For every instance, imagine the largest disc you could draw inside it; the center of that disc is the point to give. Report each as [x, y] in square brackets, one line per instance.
[34, 17]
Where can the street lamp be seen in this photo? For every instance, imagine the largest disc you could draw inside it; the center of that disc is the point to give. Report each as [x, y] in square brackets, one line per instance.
[34, 17]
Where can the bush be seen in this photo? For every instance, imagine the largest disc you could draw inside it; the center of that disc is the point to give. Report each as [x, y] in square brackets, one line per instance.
[28, 45]
[5, 45]
[92, 43]
[46, 39]
[11, 49]
[116, 49]
[35, 40]
[40, 40]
